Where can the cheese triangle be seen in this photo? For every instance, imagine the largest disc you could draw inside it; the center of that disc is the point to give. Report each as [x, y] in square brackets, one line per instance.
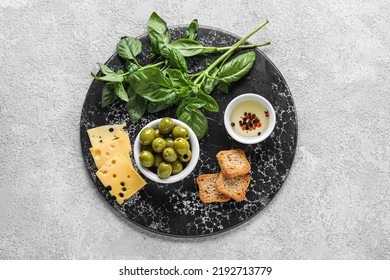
[104, 152]
[120, 178]
[105, 133]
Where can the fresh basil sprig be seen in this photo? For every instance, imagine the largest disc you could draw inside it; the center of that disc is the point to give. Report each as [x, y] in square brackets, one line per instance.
[128, 48]
[165, 82]
[159, 34]
[192, 30]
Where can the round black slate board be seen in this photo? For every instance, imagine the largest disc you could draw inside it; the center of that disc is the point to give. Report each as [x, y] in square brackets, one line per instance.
[176, 209]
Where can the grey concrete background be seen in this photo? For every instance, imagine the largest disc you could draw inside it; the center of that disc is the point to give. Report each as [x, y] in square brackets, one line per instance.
[335, 58]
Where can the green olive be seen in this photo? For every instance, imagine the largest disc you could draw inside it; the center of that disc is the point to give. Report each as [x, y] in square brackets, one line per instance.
[180, 131]
[181, 146]
[146, 158]
[157, 159]
[166, 125]
[169, 142]
[186, 157]
[158, 133]
[147, 136]
[164, 170]
[177, 167]
[147, 148]
[159, 145]
[169, 155]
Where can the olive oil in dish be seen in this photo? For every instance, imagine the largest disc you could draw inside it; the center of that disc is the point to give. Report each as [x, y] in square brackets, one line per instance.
[249, 118]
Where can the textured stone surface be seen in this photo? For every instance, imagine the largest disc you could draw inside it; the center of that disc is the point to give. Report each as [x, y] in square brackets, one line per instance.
[335, 59]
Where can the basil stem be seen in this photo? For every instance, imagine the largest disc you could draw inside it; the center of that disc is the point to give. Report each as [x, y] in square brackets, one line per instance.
[230, 51]
[242, 47]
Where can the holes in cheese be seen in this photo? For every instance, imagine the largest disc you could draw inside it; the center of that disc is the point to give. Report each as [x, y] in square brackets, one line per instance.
[98, 153]
[103, 153]
[106, 133]
[120, 172]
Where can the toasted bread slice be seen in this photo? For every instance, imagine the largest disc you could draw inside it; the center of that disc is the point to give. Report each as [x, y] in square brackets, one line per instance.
[233, 163]
[234, 188]
[207, 191]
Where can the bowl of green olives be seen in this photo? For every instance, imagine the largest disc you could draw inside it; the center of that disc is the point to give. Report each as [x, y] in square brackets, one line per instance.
[166, 150]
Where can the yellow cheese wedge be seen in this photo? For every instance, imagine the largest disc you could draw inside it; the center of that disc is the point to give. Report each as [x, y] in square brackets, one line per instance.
[105, 133]
[104, 152]
[120, 178]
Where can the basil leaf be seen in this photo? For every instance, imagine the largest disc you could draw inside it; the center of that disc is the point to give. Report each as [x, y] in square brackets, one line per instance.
[154, 93]
[180, 109]
[237, 67]
[188, 104]
[129, 48]
[177, 60]
[195, 102]
[210, 103]
[178, 78]
[136, 105]
[154, 107]
[196, 120]
[192, 30]
[224, 87]
[108, 94]
[105, 70]
[120, 92]
[209, 84]
[159, 34]
[109, 78]
[187, 47]
[151, 84]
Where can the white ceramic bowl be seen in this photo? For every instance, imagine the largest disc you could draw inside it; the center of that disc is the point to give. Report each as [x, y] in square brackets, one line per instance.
[255, 98]
[186, 170]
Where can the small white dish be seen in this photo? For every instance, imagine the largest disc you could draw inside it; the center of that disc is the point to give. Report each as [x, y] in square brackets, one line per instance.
[244, 102]
[194, 143]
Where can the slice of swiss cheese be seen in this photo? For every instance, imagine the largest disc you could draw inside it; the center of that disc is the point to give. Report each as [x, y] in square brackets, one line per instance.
[106, 133]
[120, 178]
[104, 152]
